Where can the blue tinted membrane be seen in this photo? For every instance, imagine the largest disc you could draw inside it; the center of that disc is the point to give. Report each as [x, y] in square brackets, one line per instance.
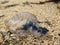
[27, 25]
[34, 27]
[42, 30]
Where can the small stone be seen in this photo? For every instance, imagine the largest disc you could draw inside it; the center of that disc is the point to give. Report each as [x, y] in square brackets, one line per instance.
[56, 1]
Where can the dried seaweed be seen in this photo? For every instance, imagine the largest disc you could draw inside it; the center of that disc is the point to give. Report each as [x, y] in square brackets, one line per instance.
[4, 2]
[28, 3]
[38, 3]
[55, 1]
[1, 16]
[8, 6]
